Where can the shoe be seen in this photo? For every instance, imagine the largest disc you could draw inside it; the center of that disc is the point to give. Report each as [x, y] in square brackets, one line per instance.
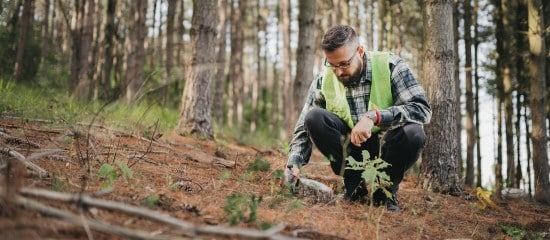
[357, 195]
[392, 206]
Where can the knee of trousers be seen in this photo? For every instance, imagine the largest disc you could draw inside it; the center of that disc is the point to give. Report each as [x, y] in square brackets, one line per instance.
[415, 135]
[314, 119]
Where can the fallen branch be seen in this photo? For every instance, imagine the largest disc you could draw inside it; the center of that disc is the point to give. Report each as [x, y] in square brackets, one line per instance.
[19, 141]
[25, 161]
[190, 229]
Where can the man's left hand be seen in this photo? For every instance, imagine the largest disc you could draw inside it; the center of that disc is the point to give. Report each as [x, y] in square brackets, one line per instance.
[362, 131]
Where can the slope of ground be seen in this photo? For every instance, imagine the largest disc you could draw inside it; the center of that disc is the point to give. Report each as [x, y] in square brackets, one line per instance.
[224, 191]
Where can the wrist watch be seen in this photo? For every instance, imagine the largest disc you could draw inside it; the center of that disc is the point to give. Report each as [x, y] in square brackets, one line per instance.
[372, 116]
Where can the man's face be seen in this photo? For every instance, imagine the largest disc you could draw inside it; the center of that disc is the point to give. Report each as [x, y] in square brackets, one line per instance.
[346, 62]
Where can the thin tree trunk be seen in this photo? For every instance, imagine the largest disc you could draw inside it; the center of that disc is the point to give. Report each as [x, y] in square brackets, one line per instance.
[370, 24]
[172, 6]
[22, 39]
[236, 61]
[440, 166]
[152, 47]
[45, 32]
[537, 63]
[196, 101]
[470, 129]
[109, 45]
[528, 146]
[218, 97]
[180, 52]
[381, 24]
[82, 88]
[456, 61]
[306, 54]
[479, 182]
[284, 26]
[500, 64]
[135, 49]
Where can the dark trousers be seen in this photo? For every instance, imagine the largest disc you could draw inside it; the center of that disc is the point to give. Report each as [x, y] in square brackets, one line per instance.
[401, 148]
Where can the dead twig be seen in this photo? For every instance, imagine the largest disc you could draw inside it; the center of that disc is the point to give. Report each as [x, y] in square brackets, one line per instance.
[10, 152]
[190, 229]
[19, 141]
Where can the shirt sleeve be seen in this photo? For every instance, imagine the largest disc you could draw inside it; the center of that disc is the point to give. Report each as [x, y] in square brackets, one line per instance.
[300, 144]
[409, 99]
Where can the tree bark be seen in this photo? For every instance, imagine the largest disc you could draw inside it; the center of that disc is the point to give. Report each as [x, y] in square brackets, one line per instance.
[135, 49]
[45, 32]
[85, 28]
[236, 61]
[476, 98]
[218, 105]
[172, 6]
[108, 53]
[439, 170]
[537, 63]
[22, 39]
[196, 100]
[470, 129]
[306, 54]
[284, 26]
[381, 24]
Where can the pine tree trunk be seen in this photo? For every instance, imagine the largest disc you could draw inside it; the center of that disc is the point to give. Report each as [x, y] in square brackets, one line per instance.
[135, 49]
[470, 129]
[196, 100]
[500, 65]
[45, 32]
[218, 97]
[306, 54]
[85, 30]
[108, 53]
[479, 182]
[538, 100]
[456, 61]
[440, 166]
[236, 60]
[381, 24]
[284, 25]
[22, 39]
[172, 6]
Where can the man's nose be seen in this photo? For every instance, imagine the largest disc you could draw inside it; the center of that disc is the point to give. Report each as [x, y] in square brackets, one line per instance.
[338, 71]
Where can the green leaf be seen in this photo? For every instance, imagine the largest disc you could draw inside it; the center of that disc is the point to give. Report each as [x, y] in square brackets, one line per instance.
[125, 171]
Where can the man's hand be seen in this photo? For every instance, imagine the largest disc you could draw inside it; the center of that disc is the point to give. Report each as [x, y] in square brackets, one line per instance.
[292, 174]
[362, 131]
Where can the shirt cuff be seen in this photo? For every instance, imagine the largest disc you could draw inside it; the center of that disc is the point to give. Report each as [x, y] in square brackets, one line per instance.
[294, 160]
[386, 118]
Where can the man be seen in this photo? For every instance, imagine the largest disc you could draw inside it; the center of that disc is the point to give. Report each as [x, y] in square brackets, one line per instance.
[357, 95]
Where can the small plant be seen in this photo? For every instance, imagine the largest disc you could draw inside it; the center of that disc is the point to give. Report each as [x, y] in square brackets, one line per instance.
[109, 173]
[278, 174]
[259, 165]
[513, 232]
[239, 208]
[57, 184]
[150, 201]
[225, 175]
[373, 173]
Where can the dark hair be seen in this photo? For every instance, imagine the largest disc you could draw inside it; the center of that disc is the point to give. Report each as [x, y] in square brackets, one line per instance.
[338, 36]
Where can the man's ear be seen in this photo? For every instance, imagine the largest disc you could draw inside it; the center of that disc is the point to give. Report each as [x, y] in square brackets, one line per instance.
[361, 50]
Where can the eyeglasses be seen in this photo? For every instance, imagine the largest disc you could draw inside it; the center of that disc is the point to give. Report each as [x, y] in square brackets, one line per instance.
[344, 65]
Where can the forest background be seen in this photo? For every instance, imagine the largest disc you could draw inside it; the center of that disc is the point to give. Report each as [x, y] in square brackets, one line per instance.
[258, 58]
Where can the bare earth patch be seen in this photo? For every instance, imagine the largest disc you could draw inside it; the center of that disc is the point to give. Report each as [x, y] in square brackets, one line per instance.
[197, 188]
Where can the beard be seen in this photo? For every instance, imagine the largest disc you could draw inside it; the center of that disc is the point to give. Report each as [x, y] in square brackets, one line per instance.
[349, 80]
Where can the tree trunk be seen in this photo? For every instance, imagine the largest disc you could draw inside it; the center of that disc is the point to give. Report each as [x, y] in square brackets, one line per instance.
[135, 50]
[500, 65]
[196, 101]
[218, 97]
[537, 59]
[236, 60]
[22, 39]
[306, 54]
[479, 182]
[284, 26]
[370, 24]
[528, 147]
[84, 28]
[45, 32]
[439, 171]
[108, 53]
[381, 24]
[172, 6]
[470, 130]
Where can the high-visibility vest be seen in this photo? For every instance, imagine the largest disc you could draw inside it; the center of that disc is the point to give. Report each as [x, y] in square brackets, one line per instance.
[380, 92]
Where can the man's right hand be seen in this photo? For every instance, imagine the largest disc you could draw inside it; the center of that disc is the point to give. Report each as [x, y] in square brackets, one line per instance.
[292, 174]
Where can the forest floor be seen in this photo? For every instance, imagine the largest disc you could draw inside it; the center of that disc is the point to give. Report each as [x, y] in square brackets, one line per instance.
[202, 189]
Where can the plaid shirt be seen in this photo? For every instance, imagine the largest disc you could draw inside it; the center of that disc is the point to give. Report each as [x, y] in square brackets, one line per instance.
[410, 105]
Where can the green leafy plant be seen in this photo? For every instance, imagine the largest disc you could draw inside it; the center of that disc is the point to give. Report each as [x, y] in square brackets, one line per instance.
[240, 208]
[108, 173]
[259, 165]
[125, 171]
[373, 173]
[150, 201]
[514, 232]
